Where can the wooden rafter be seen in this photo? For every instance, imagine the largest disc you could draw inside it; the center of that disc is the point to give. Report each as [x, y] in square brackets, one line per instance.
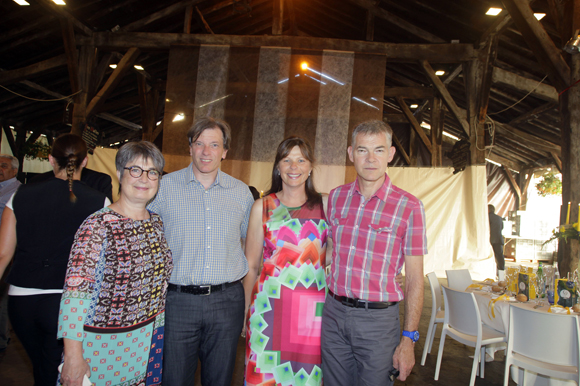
[397, 21]
[548, 55]
[500, 22]
[13, 76]
[414, 124]
[201, 21]
[370, 26]
[188, 19]
[172, 9]
[120, 121]
[68, 37]
[59, 11]
[123, 66]
[292, 17]
[437, 125]
[532, 86]
[513, 183]
[533, 114]
[409, 92]
[277, 17]
[445, 95]
[401, 149]
[484, 89]
[557, 161]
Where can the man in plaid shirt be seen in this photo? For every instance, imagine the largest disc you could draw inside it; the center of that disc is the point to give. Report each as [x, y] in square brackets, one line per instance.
[376, 228]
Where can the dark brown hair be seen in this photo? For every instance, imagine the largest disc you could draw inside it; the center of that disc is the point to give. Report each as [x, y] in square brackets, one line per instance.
[69, 152]
[312, 196]
[205, 123]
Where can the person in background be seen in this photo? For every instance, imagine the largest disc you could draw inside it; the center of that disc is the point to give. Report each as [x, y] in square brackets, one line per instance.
[101, 182]
[496, 237]
[376, 227]
[288, 227]
[113, 307]
[206, 214]
[37, 229]
[255, 192]
[8, 185]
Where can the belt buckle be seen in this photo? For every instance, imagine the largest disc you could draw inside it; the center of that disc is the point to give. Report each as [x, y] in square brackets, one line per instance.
[208, 289]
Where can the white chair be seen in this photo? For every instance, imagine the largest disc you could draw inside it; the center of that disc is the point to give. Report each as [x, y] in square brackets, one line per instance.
[458, 279]
[544, 343]
[437, 314]
[463, 323]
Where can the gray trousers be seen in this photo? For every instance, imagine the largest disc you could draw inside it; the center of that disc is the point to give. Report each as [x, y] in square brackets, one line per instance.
[358, 344]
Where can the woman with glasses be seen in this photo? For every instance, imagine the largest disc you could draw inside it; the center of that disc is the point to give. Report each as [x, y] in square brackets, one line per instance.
[38, 228]
[112, 309]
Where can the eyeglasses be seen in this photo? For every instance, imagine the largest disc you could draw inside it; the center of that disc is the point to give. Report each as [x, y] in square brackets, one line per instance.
[136, 172]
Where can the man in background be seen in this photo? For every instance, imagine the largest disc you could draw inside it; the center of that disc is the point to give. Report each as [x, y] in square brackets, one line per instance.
[8, 185]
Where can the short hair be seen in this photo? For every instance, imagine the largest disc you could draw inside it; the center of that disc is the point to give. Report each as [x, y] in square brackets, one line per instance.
[373, 127]
[491, 208]
[139, 149]
[205, 123]
[285, 147]
[13, 160]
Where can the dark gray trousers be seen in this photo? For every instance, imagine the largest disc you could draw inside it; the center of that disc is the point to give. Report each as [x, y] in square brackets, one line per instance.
[358, 344]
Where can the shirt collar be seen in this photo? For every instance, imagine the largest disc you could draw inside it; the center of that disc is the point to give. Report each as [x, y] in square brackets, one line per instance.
[383, 191]
[219, 180]
[3, 184]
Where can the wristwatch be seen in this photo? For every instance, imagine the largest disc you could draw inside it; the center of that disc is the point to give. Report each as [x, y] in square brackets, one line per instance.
[413, 335]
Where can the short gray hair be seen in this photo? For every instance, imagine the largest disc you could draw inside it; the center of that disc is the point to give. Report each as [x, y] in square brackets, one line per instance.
[139, 149]
[205, 123]
[373, 127]
[13, 160]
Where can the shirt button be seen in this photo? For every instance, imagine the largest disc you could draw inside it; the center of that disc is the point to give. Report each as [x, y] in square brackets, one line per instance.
[208, 227]
[209, 246]
[206, 208]
[352, 247]
[206, 192]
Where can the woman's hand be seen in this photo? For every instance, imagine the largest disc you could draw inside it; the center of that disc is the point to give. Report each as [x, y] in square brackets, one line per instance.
[75, 367]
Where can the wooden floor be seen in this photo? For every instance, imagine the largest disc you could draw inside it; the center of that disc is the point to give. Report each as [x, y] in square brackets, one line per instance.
[15, 368]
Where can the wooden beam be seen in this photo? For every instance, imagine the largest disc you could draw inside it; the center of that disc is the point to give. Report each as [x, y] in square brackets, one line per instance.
[500, 22]
[396, 52]
[292, 17]
[520, 136]
[85, 66]
[120, 121]
[548, 55]
[395, 118]
[122, 67]
[174, 8]
[10, 138]
[397, 21]
[513, 183]
[409, 92]
[99, 73]
[484, 89]
[445, 95]
[60, 11]
[158, 130]
[414, 124]
[188, 19]
[454, 74]
[277, 17]
[370, 27]
[202, 22]
[557, 161]
[533, 114]
[68, 37]
[44, 90]
[401, 149]
[513, 165]
[13, 76]
[532, 86]
[437, 125]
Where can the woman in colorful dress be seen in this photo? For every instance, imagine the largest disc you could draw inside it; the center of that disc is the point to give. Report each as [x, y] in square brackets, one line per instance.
[38, 229]
[112, 309]
[288, 227]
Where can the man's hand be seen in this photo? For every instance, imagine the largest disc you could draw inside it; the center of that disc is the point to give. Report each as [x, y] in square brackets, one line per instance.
[404, 358]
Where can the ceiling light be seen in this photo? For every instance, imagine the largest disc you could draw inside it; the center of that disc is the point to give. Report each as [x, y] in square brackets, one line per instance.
[440, 73]
[493, 162]
[414, 106]
[425, 125]
[572, 46]
[304, 65]
[21, 2]
[138, 67]
[493, 11]
[539, 16]
[450, 136]
[113, 65]
[179, 117]
[158, 123]
[59, 2]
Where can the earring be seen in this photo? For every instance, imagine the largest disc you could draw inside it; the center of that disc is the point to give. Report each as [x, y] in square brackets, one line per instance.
[309, 173]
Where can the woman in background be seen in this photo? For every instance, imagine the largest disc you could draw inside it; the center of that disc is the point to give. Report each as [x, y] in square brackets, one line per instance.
[113, 306]
[38, 228]
[288, 226]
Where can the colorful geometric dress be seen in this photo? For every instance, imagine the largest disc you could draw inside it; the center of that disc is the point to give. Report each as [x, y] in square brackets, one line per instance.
[283, 329]
[114, 297]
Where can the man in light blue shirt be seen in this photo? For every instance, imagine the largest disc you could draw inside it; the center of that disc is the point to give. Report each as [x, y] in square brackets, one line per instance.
[205, 214]
[8, 185]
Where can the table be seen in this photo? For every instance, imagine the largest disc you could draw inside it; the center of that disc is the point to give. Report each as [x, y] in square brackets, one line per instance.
[499, 321]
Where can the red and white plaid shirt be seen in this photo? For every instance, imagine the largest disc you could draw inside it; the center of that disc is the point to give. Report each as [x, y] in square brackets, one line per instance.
[371, 240]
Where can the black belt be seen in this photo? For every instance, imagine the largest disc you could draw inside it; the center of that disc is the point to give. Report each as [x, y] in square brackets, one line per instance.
[357, 303]
[200, 289]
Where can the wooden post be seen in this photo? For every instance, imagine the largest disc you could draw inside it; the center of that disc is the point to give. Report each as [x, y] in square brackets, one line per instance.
[437, 124]
[86, 65]
[472, 73]
[277, 17]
